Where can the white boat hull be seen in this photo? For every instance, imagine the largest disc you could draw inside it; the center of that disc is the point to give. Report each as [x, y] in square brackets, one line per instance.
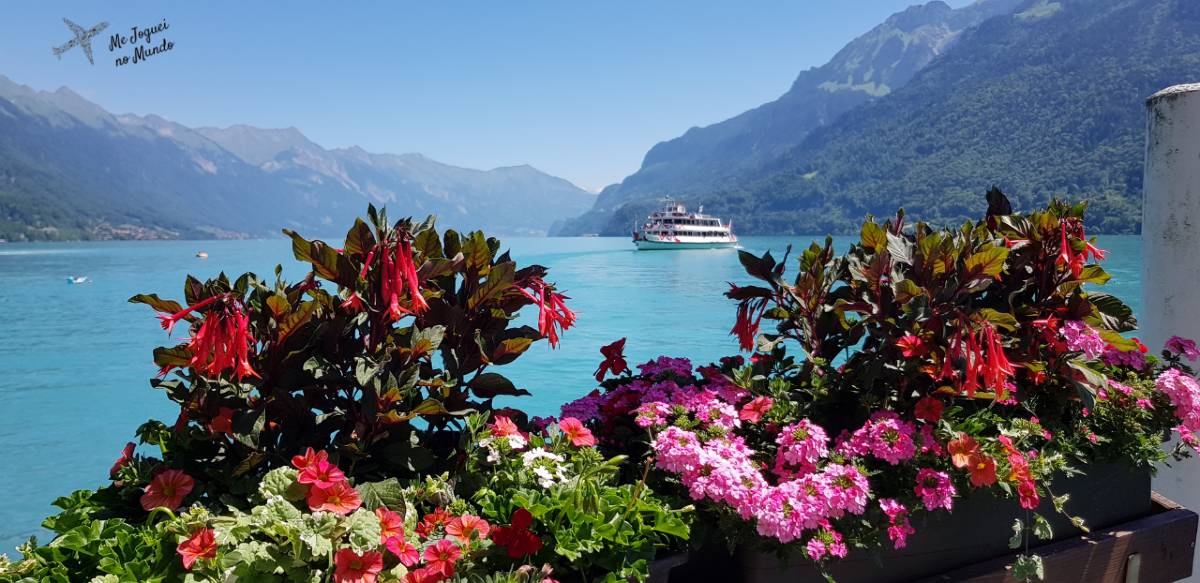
[644, 245]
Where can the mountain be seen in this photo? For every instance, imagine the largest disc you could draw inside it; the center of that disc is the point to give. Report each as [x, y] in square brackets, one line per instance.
[71, 170]
[871, 66]
[1042, 101]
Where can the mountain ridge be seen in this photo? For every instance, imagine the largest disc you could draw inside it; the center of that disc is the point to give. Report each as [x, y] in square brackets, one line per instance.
[71, 170]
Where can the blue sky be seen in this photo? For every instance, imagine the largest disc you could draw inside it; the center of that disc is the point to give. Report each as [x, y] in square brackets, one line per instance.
[580, 89]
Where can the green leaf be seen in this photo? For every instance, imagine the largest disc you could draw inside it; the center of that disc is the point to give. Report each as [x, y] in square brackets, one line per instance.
[326, 261]
[510, 349]
[1093, 274]
[1113, 312]
[359, 239]
[1041, 528]
[1002, 320]
[159, 304]
[873, 236]
[177, 356]
[293, 321]
[476, 252]
[499, 280]
[362, 530]
[905, 290]
[428, 339]
[1028, 568]
[989, 262]
[384, 494]
[1018, 537]
[278, 304]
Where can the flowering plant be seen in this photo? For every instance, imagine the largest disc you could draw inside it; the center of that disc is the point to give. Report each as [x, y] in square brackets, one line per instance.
[564, 503]
[398, 326]
[936, 363]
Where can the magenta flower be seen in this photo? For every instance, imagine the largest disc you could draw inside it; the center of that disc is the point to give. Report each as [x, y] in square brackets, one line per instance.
[935, 489]
[1183, 347]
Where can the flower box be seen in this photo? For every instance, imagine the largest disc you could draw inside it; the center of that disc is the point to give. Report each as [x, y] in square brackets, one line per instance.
[972, 543]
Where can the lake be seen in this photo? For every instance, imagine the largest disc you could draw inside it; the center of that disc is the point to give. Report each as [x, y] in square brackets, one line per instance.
[75, 360]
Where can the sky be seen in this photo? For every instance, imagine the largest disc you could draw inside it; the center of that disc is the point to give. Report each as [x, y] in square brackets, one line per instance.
[577, 88]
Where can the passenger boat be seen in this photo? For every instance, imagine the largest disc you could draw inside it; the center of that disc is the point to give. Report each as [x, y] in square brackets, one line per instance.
[673, 227]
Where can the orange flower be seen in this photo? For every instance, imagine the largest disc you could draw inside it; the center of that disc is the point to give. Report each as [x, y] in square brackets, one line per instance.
[201, 545]
[390, 524]
[167, 490]
[339, 498]
[983, 470]
[574, 430]
[466, 527]
[961, 450]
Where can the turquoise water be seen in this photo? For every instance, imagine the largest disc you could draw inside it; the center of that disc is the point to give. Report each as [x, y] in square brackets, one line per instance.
[75, 359]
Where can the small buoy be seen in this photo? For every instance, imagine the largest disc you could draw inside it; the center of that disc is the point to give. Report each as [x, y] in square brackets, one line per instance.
[202, 255]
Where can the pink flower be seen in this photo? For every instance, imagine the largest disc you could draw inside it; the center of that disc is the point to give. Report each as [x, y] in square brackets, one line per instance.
[753, 411]
[899, 527]
[167, 490]
[502, 426]
[1184, 392]
[310, 457]
[321, 474]
[390, 524]
[802, 444]
[1183, 347]
[441, 557]
[201, 545]
[351, 567]
[125, 459]
[576, 433]
[1082, 338]
[935, 489]
[912, 346]
[408, 554]
[339, 498]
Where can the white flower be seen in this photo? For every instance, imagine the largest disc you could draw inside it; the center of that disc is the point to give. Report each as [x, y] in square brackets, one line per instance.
[545, 466]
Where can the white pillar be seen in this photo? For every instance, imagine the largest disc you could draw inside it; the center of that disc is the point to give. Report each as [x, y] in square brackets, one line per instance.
[1171, 249]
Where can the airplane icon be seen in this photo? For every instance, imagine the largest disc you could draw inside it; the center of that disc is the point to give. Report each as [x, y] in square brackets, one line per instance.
[82, 38]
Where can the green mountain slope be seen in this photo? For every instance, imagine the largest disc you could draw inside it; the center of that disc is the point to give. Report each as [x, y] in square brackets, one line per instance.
[1048, 101]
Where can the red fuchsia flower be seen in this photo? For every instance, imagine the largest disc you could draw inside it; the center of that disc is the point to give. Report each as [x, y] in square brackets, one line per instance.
[516, 539]
[340, 498]
[222, 424]
[321, 474]
[202, 544]
[467, 527]
[912, 346]
[614, 360]
[390, 524]
[351, 567]
[554, 316]
[754, 411]
[408, 554]
[125, 459]
[576, 433]
[398, 274]
[502, 426]
[167, 490]
[223, 339]
[749, 315]
[441, 557]
[928, 409]
[354, 303]
[432, 521]
[310, 457]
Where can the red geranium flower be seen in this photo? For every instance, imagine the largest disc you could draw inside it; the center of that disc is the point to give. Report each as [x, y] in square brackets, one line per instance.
[614, 360]
[167, 490]
[424, 575]
[201, 545]
[574, 430]
[517, 539]
[983, 470]
[339, 498]
[351, 567]
[125, 459]
[441, 557]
